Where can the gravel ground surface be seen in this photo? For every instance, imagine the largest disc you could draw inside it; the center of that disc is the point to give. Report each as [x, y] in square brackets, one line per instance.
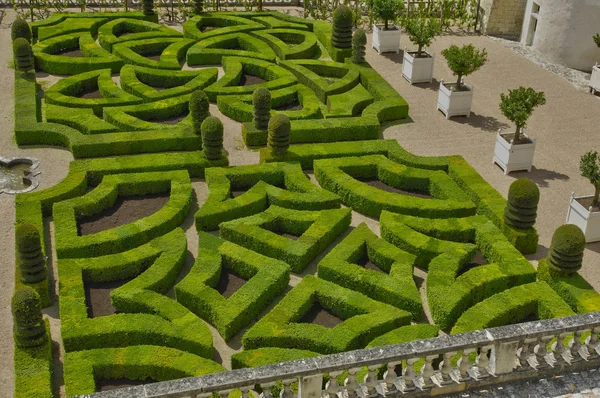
[565, 128]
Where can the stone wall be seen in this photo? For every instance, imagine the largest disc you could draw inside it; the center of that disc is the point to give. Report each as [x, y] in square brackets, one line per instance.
[502, 17]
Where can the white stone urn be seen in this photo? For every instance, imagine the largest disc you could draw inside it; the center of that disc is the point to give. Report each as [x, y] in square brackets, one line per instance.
[586, 219]
[510, 156]
[455, 103]
[385, 41]
[595, 79]
[417, 70]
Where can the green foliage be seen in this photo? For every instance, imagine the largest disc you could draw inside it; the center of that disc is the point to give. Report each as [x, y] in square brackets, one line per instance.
[464, 60]
[33, 369]
[589, 166]
[22, 54]
[421, 31]
[148, 7]
[521, 207]
[198, 6]
[387, 10]
[20, 29]
[279, 133]
[597, 39]
[518, 106]
[341, 33]
[28, 238]
[29, 328]
[261, 102]
[359, 41]
[30, 258]
[566, 249]
[199, 109]
[212, 137]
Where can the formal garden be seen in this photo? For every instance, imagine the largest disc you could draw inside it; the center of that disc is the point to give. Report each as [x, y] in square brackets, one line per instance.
[321, 247]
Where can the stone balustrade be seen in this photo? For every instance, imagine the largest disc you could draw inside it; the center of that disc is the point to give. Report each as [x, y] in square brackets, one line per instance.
[450, 364]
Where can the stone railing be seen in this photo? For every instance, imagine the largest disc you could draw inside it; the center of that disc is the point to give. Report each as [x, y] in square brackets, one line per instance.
[468, 360]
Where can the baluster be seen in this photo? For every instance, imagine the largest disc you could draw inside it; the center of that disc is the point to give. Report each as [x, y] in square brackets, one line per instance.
[287, 391]
[541, 351]
[591, 344]
[244, 391]
[351, 384]
[408, 376]
[559, 350]
[576, 347]
[526, 352]
[390, 378]
[426, 372]
[266, 387]
[332, 387]
[446, 368]
[482, 362]
[371, 381]
[225, 393]
[464, 364]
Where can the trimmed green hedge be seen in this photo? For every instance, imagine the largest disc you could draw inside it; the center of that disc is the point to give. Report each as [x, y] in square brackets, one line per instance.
[142, 362]
[394, 285]
[171, 50]
[263, 182]
[303, 44]
[33, 369]
[364, 319]
[70, 25]
[350, 103]
[112, 32]
[316, 230]
[210, 51]
[268, 356]
[266, 279]
[406, 334]
[223, 24]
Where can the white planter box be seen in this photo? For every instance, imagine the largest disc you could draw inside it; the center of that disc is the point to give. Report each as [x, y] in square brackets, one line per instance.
[587, 220]
[595, 79]
[417, 70]
[513, 157]
[386, 40]
[455, 103]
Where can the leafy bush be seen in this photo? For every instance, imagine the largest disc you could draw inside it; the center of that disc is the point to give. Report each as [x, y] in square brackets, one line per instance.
[199, 109]
[22, 54]
[463, 61]
[29, 328]
[279, 133]
[387, 11]
[566, 249]
[421, 31]
[521, 207]
[212, 137]
[30, 259]
[589, 166]
[518, 106]
[20, 29]
[597, 39]
[341, 33]
[261, 101]
[359, 41]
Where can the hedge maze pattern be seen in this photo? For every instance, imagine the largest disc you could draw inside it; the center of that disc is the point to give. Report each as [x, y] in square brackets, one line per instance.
[286, 239]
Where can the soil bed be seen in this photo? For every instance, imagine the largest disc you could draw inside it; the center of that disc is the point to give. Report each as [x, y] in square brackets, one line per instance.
[97, 297]
[234, 193]
[114, 384]
[587, 202]
[91, 94]
[365, 262]
[317, 315]
[70, 52]
[229, 283]
[522, 140]
[383, 186]
[249, 80]
[292, 106]
[125, 210]
[477, 261]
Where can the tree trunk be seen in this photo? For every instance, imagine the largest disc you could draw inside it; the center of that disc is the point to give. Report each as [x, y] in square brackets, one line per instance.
[596, 194]
[419, 51]
[385, 25]
[458, 83]
[517, 136]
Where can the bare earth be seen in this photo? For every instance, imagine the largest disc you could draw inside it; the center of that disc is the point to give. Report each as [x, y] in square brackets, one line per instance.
[565, 128]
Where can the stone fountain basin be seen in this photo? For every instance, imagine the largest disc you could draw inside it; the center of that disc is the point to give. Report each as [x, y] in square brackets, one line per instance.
[18, 174]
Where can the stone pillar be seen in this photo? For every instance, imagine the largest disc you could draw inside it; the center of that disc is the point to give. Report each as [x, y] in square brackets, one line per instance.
[310, 386]
[503, 357]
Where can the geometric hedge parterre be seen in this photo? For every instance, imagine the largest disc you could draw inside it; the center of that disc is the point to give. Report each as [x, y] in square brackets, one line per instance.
[284, 263]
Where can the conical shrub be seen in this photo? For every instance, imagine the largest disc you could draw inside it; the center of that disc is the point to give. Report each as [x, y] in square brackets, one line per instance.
[279, 133]
[20, 29]
[341, 33]
[212, 138]
[359, 43]
[29, 328]
[23, 55]
[261, 102]
[199, 109]
[30, 259]
[521, 206]
[566, 249]
[148, 7]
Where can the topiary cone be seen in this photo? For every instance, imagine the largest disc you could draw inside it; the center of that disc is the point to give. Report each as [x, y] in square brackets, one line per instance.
[148, 7]
[261, 102]
[212, 138]
[279, 133]
[29, 328]
[30, 258]
[341, 32]
[359, 42]
[199, 109]
[522, 203]
[20, 29]
[22, 54]
[566, 249]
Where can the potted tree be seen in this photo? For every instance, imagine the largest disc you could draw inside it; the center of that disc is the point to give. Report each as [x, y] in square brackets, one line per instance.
[584, 210]
[417, 66]
[386, 38]
[514, 150]
[455, 98]
[595, 79]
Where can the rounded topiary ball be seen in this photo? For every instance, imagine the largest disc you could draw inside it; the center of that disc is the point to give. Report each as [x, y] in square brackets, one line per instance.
[341, 32]
[212, 137]
[566, 249]
[22, 54]
[20, 29]
[359, 42]
[29, 329]
[199, 109]
[30, 259]
[521, 207]
[279, 133]
[261, 102]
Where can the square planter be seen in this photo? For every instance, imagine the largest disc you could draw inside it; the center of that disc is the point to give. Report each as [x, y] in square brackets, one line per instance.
[455, 103]
[513, 157]
[595, 79]
[587, 220]
[417, 70]
[385, 41]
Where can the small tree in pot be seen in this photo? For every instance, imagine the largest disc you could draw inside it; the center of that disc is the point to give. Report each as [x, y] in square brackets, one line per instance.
[386, 39]
[417, 66]
[590, 169]
[584, 211]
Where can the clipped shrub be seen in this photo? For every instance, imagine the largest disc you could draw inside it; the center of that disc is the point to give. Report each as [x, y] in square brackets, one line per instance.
[518, 106]
[20, 29]
[521, 207]
[463, 61]
[30, 258]
[198, 6]
[261, 101]
[566, 249]
[359, 42]
[29, 328]
[387, 11]
[341, 33]
[199, 106]
[212, 137]
[23, 55]
[148, 7]
[422, 31]
[589, 165]
[279, 133]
